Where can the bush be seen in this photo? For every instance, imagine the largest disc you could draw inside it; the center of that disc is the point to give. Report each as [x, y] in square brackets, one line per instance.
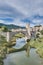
[41, 32]
[37, 35]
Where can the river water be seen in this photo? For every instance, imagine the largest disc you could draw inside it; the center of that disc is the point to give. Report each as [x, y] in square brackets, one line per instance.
[20, 58]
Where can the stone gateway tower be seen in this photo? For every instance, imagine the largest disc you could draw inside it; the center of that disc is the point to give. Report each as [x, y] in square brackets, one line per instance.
[28, 31]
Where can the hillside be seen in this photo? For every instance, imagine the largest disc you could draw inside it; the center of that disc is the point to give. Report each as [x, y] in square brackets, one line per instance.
[11, 26]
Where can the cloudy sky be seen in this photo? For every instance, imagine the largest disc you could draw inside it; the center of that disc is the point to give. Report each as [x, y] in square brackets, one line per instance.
[20, 12]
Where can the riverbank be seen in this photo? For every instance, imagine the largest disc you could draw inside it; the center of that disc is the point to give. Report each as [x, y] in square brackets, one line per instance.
[12, 50]
[38, 44]
[20, 58]
[7, 47]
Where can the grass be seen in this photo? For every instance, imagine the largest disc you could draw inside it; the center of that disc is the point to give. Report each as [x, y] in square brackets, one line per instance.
[12, 50]
[19, 35]
[7, 47]
[40, 51]
[3, 49]
[38, 44]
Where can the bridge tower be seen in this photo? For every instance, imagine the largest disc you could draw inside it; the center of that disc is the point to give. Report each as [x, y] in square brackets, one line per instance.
[28, 31]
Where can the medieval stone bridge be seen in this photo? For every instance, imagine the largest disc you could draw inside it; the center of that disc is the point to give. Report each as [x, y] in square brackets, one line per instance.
[9, 35]
[24, 31]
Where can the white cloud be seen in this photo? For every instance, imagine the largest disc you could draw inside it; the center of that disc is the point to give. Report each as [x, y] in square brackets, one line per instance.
[1, 21]
[15, 22]
[37, 21]
[27, 7]
[21, 9]
[19, 22]
[31, 25]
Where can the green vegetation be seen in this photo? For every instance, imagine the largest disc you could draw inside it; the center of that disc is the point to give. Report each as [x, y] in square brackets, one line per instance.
[38, 44]
[13, 39]
[19, 35]
[37, 35]
[41, 32]
[6, 47]
[11, 44]
[12, 50]
[3, 49]
[11, 26]
[4, 29]
[25, 47]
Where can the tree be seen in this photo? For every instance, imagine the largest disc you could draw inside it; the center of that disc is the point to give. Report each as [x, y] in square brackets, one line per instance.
[0, 27]
[2, 40]
[4, 29]
[41, 32]
[37, 35]
[3, 49]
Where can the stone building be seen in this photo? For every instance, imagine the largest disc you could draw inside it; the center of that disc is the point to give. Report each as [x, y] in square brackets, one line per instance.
[38, 28]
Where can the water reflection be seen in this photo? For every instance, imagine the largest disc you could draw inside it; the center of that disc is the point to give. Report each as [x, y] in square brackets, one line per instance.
[20, 42]
[20, 58]
[28, 51]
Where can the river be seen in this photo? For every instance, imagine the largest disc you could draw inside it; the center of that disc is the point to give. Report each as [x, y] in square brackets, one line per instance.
[20, 58]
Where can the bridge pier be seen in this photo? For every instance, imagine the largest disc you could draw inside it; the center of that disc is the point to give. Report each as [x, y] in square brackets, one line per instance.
[8, 36]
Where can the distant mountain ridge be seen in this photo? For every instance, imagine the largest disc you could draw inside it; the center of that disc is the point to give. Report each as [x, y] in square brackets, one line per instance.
[11, 26]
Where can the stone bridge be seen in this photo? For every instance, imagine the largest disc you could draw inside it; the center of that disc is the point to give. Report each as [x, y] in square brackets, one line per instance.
[24, 31]
[9, 35]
